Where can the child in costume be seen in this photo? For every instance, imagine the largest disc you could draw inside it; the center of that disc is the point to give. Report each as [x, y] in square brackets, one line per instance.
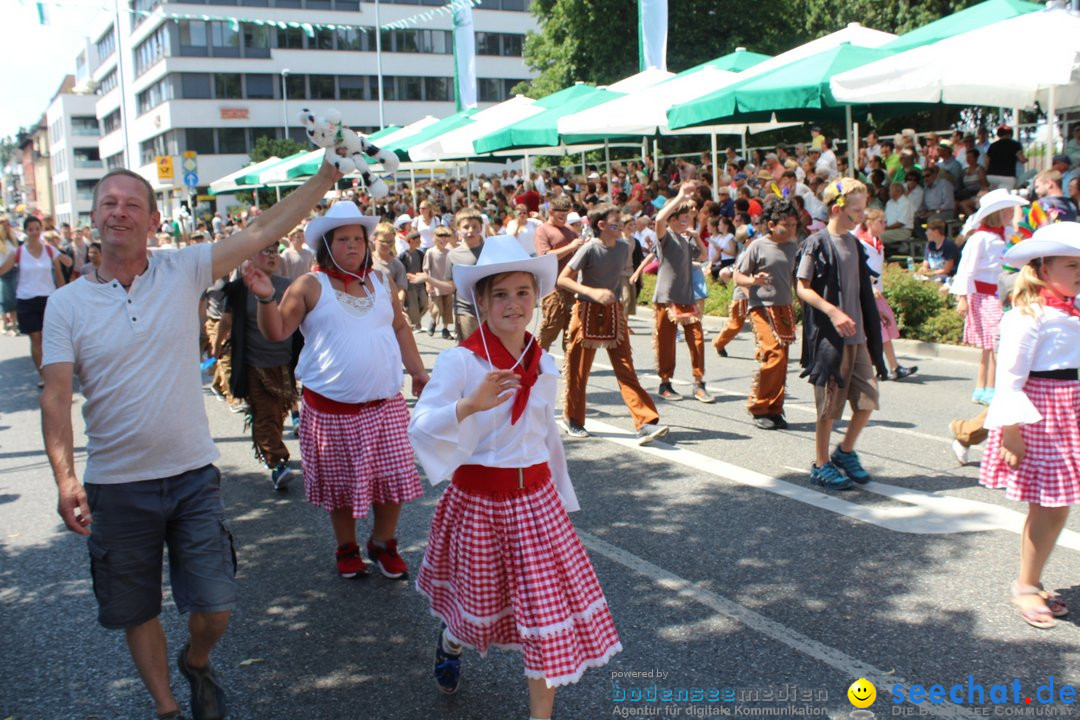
[503, 566]
[976, 283]
[1033, 449]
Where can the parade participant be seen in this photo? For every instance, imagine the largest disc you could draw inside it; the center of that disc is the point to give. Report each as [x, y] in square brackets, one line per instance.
[470, 228]
[841, 333]
[556, 238]
[131, 333]
[1033, 449]
[437, 266]
[425, 224]
[674, 302]
[353, 442]
[504, 566]
[524, 227]
[869, 234]
[384, 260]
[9, 243]
[262, 370]
[40, 268]
[415, 294]
[739, 306]
[976, 283]
[594, 276]
[296, 259]
[765, 272]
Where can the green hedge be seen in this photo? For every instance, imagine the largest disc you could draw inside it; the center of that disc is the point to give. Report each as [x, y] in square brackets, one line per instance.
[923, 312]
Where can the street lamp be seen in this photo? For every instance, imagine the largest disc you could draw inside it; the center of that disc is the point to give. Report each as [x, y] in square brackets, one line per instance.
[285, 100]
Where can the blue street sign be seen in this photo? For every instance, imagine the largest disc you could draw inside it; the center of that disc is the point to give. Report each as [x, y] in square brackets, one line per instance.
[191, 179]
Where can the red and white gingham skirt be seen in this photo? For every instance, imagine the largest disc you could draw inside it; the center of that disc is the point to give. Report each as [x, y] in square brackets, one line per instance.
[889, 331]
[983, 318]
[510, 572]
[1049, 474]
[352, 461]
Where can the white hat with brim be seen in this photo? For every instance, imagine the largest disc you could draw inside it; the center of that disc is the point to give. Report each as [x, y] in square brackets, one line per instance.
[402, 220]
[996, 200]
[572, 217]
[1061, 239]
[504, 254]
[340, 214]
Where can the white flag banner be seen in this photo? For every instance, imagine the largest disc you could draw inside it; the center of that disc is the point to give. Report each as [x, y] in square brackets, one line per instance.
[652, 34]
[464, 57]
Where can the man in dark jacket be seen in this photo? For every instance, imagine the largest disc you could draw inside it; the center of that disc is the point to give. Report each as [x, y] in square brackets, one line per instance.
[841, 332]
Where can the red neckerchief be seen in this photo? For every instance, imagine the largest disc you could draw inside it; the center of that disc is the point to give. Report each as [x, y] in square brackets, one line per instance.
[528, 370]
[999, 231]
[1066, 305]
[872, 240]
[345, 278]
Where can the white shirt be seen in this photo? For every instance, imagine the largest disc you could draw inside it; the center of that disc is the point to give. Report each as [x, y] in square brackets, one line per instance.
[1047, 340]
[814, 206]
[37, 277]
[646, 239]
[940, 196]
[980, 259]
[826, 164]
[915, 199]
[426, 230]
[442, 444]
[875, 260]
[526, 235]
[136, 355]
[899, 211]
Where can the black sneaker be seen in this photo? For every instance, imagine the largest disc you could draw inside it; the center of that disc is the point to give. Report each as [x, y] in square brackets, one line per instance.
[431, 330]
[668, 393]
[779, 421]
[766, 422]
[446, 334]
[573, 429]
[207, 695]
[722, 352]
[902, 372]
[280, 476]
[651, 431]
[882, 376]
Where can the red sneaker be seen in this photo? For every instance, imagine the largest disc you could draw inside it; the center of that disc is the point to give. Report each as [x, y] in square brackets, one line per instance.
[390, 563]
[349, 562]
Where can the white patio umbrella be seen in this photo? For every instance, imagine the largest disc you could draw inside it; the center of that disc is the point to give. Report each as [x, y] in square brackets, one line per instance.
[458, 143]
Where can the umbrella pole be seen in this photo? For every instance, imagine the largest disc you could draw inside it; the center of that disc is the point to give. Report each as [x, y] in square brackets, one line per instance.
[1051, 121]
[853, 157]
[656, 158]
[745, 156]
[412, 184]
[715, 171]
[644, 150]
[256, 192]
[277, 190]
[607, 156]
[582, 163]
[525, 165]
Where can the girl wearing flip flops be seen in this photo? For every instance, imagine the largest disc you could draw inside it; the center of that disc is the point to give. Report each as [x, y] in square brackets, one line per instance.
[504, 566]
[1034, 419]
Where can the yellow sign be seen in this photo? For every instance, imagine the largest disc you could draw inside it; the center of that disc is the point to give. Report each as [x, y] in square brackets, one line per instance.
[164, 167]
[191, 161]
[204, 198]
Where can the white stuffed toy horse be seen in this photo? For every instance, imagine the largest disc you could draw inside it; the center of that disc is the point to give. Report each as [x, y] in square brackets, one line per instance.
[329, 132]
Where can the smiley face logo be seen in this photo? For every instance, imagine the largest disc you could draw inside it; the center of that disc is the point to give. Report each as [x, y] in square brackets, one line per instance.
[862, 693]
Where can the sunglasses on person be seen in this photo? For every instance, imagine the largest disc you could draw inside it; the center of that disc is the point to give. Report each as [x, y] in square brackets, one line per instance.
[270, 251]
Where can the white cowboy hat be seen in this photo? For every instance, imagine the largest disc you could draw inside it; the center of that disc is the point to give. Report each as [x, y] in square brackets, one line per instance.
[402, 220]
[504, 254]
[340, 214]
[1054, 240]
[572, 217]
[996, 200]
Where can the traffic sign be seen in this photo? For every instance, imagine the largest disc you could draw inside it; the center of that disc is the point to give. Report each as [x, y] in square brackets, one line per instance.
[164, 167]
[191, 161]
[191, 179]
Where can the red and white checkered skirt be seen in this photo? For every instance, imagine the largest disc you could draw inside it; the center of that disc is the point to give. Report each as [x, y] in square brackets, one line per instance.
[1049, 474]
[510, 572]
[983, 318]
[354, 460]
[889, 331]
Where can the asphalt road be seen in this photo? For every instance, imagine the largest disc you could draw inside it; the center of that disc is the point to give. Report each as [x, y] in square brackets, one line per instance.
[726, 571]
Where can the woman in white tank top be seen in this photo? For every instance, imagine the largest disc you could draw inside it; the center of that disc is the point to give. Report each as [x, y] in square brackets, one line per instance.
[354, 444]
[39, 277]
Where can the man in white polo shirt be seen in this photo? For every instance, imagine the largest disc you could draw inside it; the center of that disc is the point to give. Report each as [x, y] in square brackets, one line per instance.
[131, 333]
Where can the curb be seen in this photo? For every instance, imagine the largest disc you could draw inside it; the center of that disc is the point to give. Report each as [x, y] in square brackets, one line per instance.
[909, 348]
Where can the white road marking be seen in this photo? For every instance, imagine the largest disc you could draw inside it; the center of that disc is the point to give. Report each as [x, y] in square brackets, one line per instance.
[839, 660]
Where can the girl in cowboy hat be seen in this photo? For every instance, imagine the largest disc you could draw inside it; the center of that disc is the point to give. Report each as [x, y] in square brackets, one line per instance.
[1034, 446]
[353, 442]
[503, 565]
[976, 283]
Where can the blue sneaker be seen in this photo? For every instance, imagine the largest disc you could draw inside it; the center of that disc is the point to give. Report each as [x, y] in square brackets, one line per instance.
[829, 477]
[849, 463]
[987, 396]
[447, 667]
[977, 396]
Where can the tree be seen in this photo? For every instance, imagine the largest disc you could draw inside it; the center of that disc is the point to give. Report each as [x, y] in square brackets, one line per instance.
[266, 147]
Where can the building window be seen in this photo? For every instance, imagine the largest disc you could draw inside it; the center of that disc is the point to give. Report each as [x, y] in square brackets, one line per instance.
[195, 86]
[224, 41]
[232, 140]
[438, 42]
[111, 122]
[155, 146]
[324, 39]
[322, 87]
[505, 44]
[114, 161]
[106, 46]
[84, 190]
[260, 87]
[256, 133]
[87, 158]
[438, 89]
[86, 126]
[151, 49]
[495, 89]
[108, 83]
[351, 87]
[151, 97]
[512, 44]
[296, 87]
[256, 40]
[201, 140]
[410, 88]
[227, 86]
[292, 38]
[140, 9]
[351, 39]
[193, 40]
